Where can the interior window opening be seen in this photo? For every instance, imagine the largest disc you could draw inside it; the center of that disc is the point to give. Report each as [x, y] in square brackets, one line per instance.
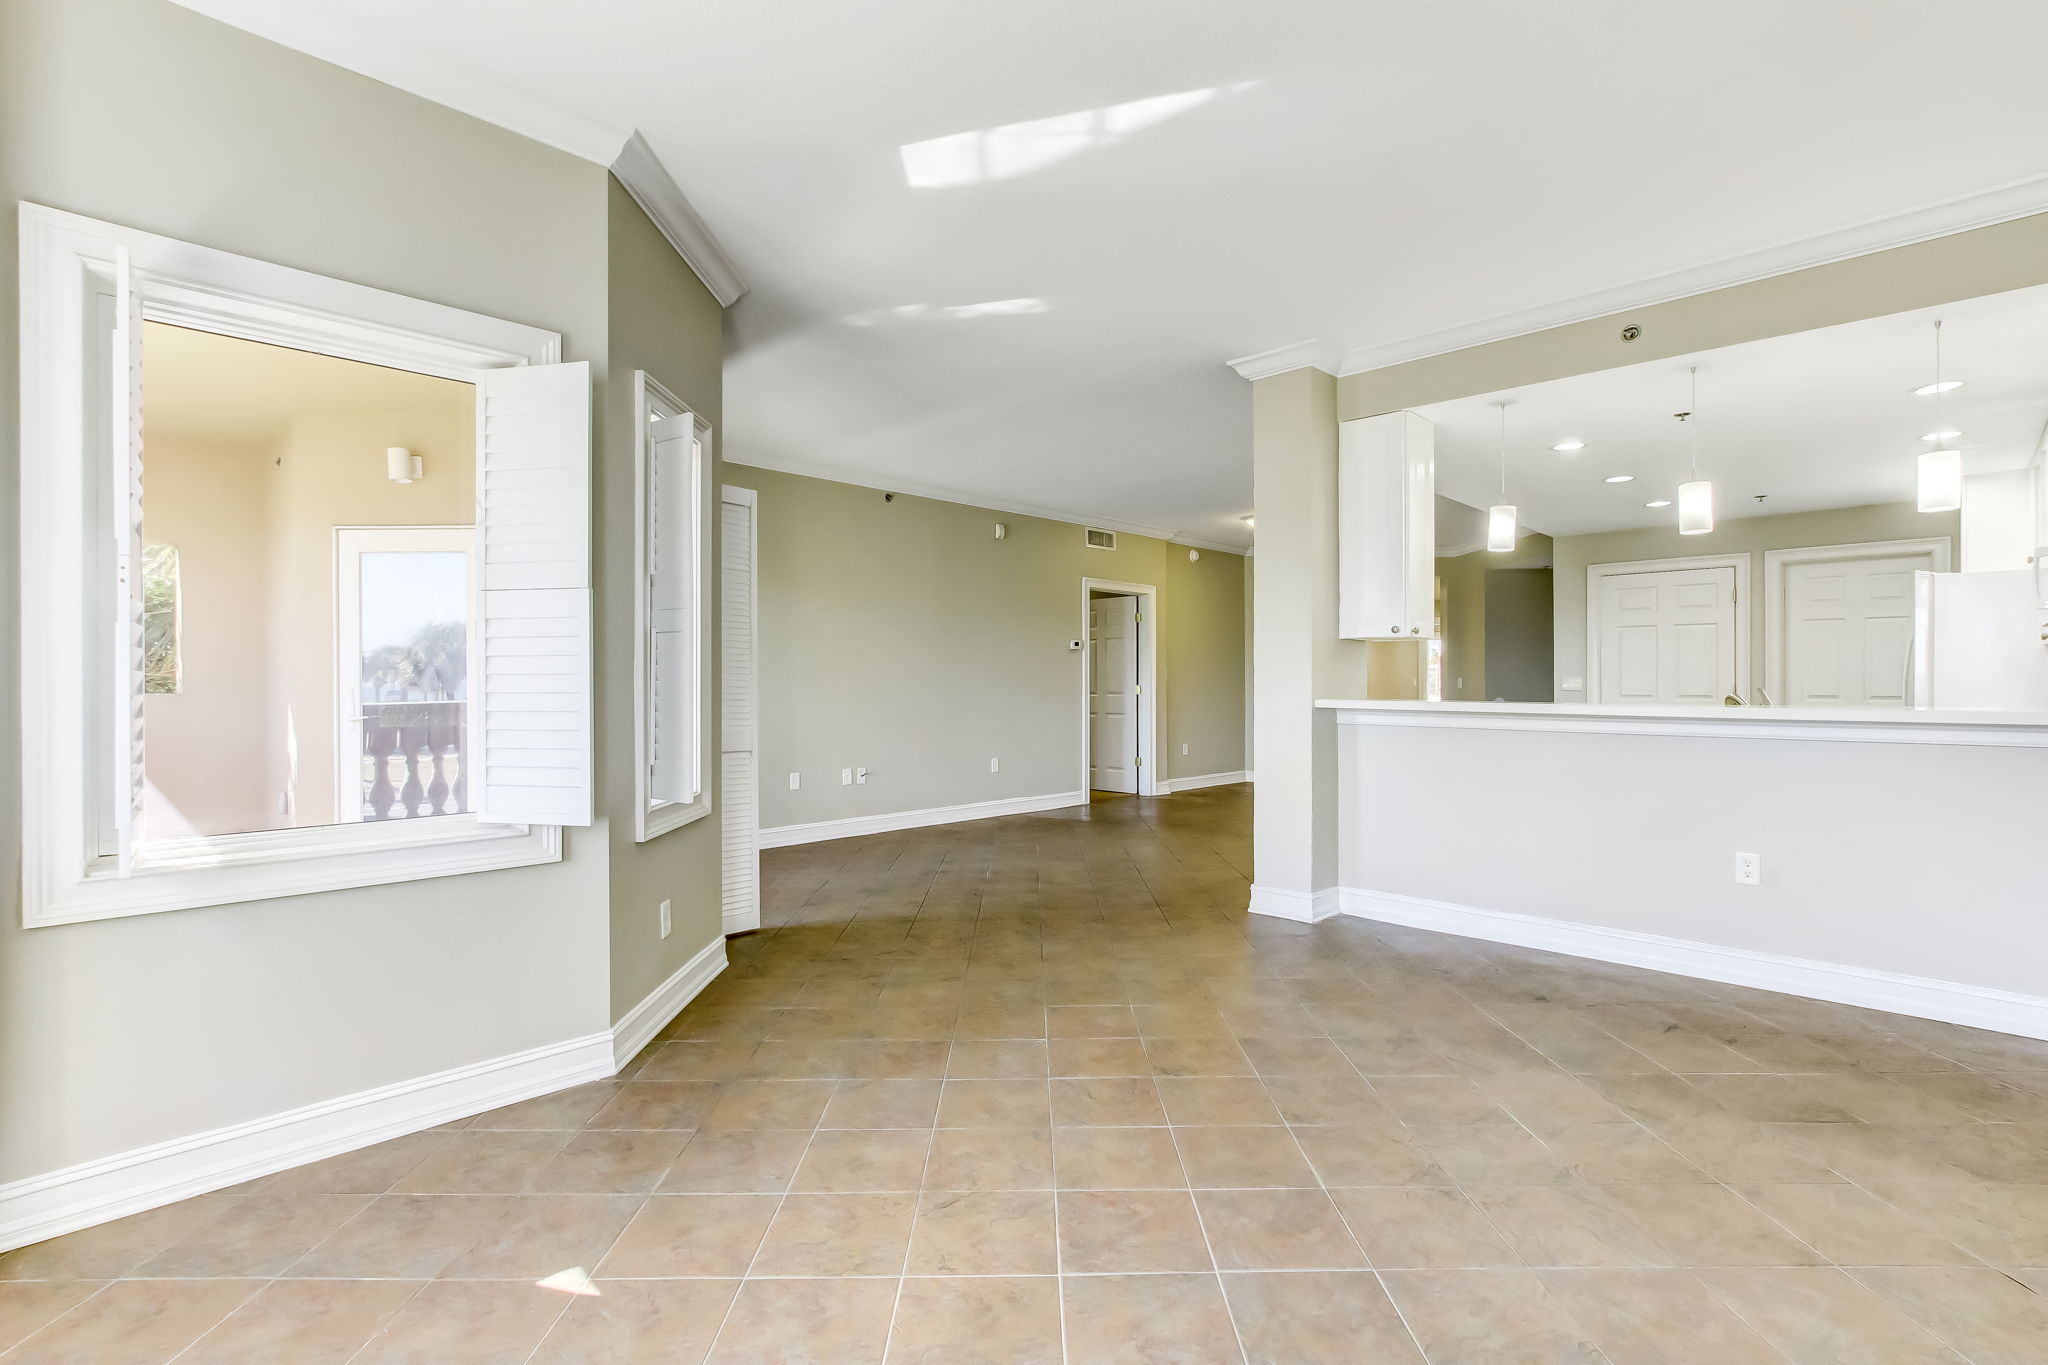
[309, 569]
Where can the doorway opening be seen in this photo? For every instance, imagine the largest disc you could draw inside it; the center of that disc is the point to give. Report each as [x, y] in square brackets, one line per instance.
[1119, 687]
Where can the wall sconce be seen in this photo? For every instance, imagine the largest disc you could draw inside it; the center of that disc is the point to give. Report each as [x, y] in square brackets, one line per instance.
[402, 466]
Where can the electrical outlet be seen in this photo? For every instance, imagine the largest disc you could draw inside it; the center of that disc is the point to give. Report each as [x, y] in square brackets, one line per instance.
[1183, 751]
[667, 923]
[860, 777]
[796, 781]
[846, 777]
[995, 765]
[1749, 869]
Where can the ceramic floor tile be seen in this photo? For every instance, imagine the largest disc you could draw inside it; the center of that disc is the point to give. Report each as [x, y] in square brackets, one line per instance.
[737, 1161]
[1489, 1317]
[1318, 1318]
[1124, 1231]
[1277, 1230]
[478, 1323]
[1103, 1102]
[1148, 1319]
[307, 1322]
[1704, 1225]
[135, 1322]
[990, 1159]
[1116, 1159]
[639, 1322]
[902, 1103]
[1657, 1317]
[1984, 1315]
[402, 1236]
[807, 1322]
[986, 1232]
[981, 1321]
[672, 1235]
[1821, 1316]
[1242, 1158]
[1422, 1228]
[837, 1234]
[1005, 1103]
[609, 1162]
[854, 1160]
[1568, 1225]
[27, 1306]
[1235, 1100]
[264, 1234]
[1850, 1226]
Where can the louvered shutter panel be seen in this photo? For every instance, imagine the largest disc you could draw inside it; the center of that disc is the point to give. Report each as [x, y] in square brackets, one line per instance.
[671, 558]
[125, 486]
[739, 791]
[531, 716]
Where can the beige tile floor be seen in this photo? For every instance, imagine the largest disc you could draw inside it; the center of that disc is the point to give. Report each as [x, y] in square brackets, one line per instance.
[1037, 1090]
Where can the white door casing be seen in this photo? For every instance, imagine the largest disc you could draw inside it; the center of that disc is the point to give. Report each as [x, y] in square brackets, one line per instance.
[1113, 694]
[1667, 632]
[1839, 621]
[739, 710]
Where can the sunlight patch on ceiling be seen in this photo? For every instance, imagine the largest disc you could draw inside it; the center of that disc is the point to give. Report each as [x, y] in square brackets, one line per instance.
[1014, 149]
[913, 312]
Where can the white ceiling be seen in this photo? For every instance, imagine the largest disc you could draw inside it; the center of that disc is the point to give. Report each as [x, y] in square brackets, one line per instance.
[1004, 249]
[1817, 419]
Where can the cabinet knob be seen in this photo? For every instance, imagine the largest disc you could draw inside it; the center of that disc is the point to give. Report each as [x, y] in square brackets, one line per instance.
[1415, 630]
[1393, 630]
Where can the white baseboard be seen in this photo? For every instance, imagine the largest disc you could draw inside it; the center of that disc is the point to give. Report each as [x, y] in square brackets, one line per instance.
[1307, 907]
[640, 1023]
[781, 836]
[129, 1182]
[1188, 784]
[1920, 996]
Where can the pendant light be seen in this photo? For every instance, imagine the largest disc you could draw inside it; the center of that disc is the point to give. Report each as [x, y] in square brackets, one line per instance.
[1500, 518]
[1695, 497]
[1940, 471]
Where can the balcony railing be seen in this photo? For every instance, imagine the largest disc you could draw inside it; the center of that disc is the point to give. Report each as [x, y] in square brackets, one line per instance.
[415, 759]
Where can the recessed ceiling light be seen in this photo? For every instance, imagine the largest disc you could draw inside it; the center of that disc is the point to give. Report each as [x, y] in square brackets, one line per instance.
[1658, 502]
[1941, 435]
[1619, 478]
[1945, 386]
[1574, 443]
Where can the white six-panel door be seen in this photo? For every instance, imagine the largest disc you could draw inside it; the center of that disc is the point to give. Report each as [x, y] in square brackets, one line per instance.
[1847, 628]
[1113, 694]
[1666, 637]
[739, 792]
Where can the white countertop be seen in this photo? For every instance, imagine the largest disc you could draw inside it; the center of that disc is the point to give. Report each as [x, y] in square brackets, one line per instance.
[2025, 728]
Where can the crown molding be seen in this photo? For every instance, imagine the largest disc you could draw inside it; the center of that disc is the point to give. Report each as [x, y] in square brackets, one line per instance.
[655, 190]
[1312, 354]
[324, 31]
[860, 478]
[1985, 208]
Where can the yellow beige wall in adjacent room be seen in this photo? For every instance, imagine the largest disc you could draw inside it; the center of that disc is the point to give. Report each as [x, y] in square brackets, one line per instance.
[1746, 536]
[902, 636]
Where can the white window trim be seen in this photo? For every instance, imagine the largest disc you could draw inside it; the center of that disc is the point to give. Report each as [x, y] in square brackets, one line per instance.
[66, 263]
[652, 816]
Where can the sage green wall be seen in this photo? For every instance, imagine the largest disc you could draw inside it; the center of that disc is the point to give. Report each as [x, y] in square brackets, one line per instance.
[121, 1033]
[902, 637]
[1518, 634]
[1750, 536]
[664, 321]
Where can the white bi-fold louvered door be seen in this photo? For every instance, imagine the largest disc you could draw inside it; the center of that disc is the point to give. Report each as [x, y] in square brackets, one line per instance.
[739, 744]
[531, 713]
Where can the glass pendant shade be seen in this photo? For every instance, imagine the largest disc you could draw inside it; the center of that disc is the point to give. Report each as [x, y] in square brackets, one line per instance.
[1941, 480]
[1500, 529]
[1695, 508]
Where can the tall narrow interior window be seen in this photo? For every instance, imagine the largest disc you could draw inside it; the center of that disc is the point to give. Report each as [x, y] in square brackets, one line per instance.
[672, 544]
[266, 664]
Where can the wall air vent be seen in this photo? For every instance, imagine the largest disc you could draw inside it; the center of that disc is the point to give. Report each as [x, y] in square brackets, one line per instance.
[1099, 539]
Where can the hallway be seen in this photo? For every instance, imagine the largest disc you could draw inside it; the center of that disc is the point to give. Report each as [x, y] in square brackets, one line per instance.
[1037, 1090]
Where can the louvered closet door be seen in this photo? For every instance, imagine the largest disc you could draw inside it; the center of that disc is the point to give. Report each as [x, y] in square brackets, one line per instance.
[739, 766]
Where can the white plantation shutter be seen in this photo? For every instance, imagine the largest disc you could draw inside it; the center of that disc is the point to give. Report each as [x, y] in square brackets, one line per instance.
[530, 737]
[125, 485]
[738, 763]
[672, 521]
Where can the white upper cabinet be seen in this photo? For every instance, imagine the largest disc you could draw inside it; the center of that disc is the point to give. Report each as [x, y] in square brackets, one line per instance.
[1386, 528]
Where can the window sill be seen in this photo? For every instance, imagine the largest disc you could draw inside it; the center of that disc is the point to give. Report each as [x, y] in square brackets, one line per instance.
[187, 874]
[658, 820]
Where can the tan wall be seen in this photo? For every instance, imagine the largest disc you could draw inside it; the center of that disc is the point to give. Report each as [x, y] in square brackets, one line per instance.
[901, 636]
[209, 749]
[120, 1033]
[1750, 536]
[1518, 634]
[664, 321]
[330, 473]
[1463, 580]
